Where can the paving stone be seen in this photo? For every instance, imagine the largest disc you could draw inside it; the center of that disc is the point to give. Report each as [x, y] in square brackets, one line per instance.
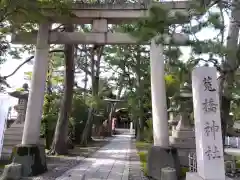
[116, 161]
[108, 163]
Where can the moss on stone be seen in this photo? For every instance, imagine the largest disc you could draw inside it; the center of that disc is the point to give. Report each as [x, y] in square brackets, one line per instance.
[184, 170]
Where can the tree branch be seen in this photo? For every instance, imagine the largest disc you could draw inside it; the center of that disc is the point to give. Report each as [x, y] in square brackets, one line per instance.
[26, 61]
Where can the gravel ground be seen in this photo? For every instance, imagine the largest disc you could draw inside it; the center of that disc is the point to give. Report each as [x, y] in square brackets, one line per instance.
[135, 171]
[56, 167]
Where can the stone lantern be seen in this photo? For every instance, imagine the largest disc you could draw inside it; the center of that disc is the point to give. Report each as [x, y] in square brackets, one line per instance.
[183, 136]
[173, 121]
[185, 108]
[21, 107]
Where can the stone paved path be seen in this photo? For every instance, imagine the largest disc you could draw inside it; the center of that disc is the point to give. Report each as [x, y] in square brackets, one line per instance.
[109, 163]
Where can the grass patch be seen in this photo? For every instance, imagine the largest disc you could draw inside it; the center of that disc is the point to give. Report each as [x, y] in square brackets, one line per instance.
[143, 160]
[142, 145]
[184, 170]
[238, 164]
[2, 166]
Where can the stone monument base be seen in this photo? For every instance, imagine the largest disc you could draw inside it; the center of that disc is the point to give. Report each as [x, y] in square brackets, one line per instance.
[159, 157]
[195, 176]
[31, 157]
[183, 154]
[184, 147]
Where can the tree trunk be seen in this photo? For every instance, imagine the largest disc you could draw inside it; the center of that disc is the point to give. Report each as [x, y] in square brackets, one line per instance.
[139, 97]
[230, 66]
[86, 74]
[59, 144]
[87, 132]
[88, 128]
[135, 126]
[47, 107]
[225, 115]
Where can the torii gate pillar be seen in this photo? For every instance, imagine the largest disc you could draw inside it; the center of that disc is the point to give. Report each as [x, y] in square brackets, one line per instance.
[30, 153]
[159, 102]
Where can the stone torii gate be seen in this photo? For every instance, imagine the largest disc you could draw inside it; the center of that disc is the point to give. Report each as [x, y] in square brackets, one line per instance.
[99, 15]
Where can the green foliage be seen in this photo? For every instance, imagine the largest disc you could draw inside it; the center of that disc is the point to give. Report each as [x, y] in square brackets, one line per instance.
[95, 102]
[20, 89]
[143, 160]
[157, 23]
[23, 15]
[142, 145]
[31, 11]
[172, 84]
[79, 117]
[129, 63]
[235, 109]
[50, 113]
[148, 131]
[184, 170]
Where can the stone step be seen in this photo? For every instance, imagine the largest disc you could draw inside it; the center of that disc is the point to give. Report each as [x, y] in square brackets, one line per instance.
[16, 138]
[13, 137]
[17, 125]
[11, 142]
[14, 129]
[13, 132]
[18, 141]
